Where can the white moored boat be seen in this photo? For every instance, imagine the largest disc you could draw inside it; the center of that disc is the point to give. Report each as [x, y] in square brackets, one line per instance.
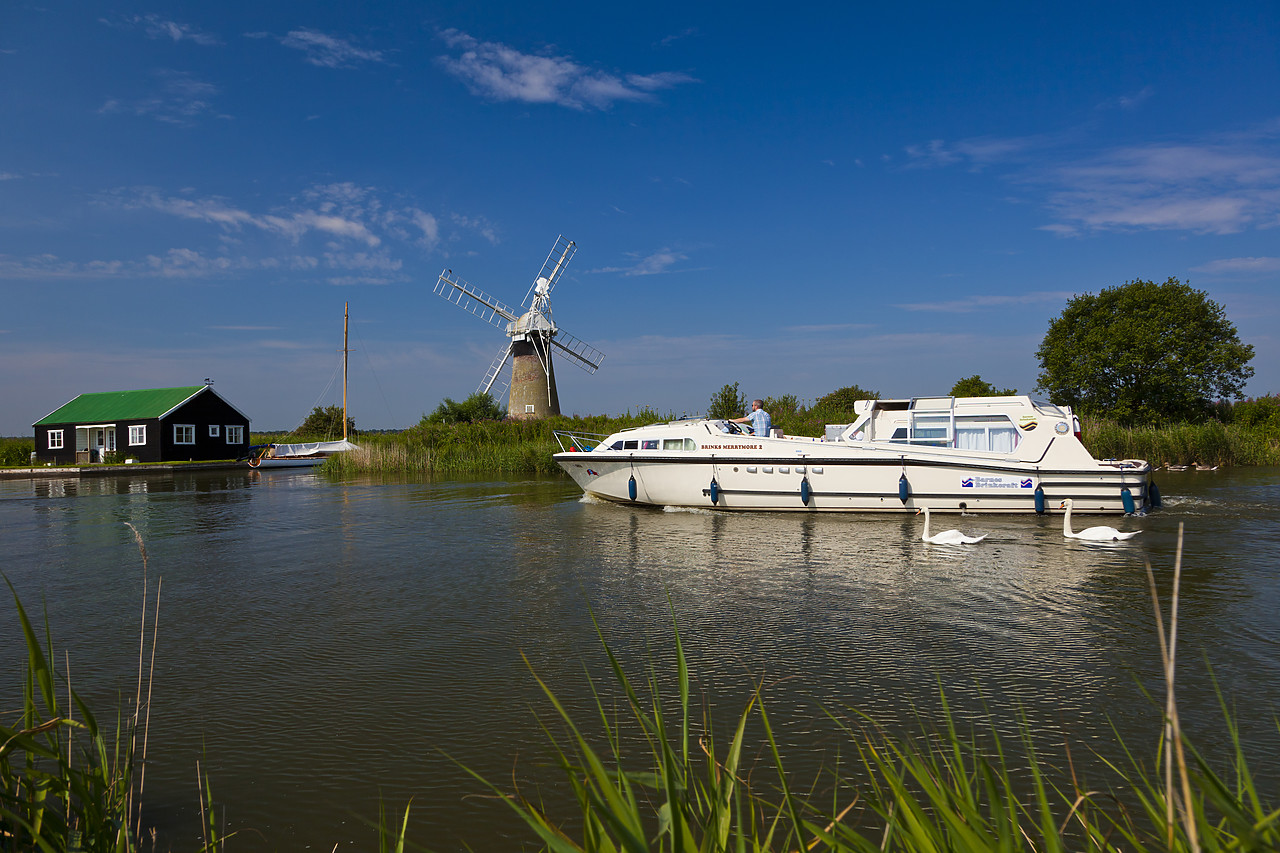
[309, 453]
[302, 455]
[951, 454]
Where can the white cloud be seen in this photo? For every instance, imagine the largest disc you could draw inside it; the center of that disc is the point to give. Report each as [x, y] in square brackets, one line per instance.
[1240, 266]
[496, 71]
[156, 27]
[328, 51]
[329, 227]
[980, 302]
[1218, 185]
[657, 263]
[180, 100]
[1128, 102]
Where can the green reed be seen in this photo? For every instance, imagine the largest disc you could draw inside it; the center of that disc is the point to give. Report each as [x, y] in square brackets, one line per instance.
[66, 782]
[505, 447]
[1209, 443]
[941, 790]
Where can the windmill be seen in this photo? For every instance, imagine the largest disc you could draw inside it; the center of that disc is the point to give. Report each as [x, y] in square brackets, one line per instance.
[533, 335]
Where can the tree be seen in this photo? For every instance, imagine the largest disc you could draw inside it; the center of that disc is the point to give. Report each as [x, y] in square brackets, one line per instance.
[1143, 352]
[781, 407]
[324, 423]
[479, 406]
[976, 386]
[841, 400]
[728, 402]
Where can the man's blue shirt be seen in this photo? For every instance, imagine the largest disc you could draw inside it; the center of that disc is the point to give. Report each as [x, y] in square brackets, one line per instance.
[761, 422]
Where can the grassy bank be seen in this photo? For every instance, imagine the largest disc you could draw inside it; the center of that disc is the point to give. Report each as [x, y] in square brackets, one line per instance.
[525, 447]
[1209, 443]
[500, 447]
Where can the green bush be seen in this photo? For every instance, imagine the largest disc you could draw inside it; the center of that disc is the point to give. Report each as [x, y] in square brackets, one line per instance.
[480, 406]
[728, 402]
[16, 451]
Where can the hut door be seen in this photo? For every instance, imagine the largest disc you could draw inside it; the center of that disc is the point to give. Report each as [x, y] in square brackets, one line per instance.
[103, 441]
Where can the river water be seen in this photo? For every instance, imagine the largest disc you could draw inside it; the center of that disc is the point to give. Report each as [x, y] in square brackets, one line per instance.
[326, 645]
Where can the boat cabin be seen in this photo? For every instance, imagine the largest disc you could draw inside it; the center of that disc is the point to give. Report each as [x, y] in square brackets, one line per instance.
[989, 424]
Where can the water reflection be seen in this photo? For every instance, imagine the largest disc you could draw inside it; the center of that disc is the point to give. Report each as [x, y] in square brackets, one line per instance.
[322, 642]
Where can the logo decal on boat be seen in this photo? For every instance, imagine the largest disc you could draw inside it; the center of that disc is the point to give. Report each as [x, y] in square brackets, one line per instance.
[1027, 422]
[593, 473]
[996, 482]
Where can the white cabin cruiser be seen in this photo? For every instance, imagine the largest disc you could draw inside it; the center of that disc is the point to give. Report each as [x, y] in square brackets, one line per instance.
[951, 454]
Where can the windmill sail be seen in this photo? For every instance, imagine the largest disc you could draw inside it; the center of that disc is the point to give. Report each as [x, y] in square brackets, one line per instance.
[582, 353]
[553, 267]
[474, 299]
[495, 370]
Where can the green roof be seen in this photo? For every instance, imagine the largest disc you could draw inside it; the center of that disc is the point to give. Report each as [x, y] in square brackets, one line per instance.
[110, 406]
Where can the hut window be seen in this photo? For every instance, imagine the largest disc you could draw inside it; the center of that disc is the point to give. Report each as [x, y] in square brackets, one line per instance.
[213, 430]
[55, 439]
[137, 434]
[184, 433]
[235, 434]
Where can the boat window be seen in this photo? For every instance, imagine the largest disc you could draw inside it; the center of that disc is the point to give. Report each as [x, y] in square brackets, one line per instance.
[992, 433]
[617, 445]
[631, 445]
[678, 444]
[931, 430]
[650, 444]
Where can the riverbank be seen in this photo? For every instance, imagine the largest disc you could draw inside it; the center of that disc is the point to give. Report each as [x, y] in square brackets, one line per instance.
[53, 472]
[525, 447]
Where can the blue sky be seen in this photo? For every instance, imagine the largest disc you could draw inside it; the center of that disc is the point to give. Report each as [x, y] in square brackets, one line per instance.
[794, 199]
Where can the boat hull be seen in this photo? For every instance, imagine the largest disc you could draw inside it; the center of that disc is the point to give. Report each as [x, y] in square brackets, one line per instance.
[851, 485]
[287, 462]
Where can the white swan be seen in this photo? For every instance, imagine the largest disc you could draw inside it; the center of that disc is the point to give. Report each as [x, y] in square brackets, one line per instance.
[1092, 534]
[946, 537]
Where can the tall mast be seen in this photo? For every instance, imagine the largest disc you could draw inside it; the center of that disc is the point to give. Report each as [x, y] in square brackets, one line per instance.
[344, 370]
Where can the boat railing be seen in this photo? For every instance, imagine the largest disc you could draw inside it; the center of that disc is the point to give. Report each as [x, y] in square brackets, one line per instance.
[579, 442]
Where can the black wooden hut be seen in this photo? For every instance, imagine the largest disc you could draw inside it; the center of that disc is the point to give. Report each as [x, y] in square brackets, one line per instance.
[154, 425]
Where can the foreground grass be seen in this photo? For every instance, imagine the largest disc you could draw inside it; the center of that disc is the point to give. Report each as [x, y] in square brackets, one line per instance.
[647, 774]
